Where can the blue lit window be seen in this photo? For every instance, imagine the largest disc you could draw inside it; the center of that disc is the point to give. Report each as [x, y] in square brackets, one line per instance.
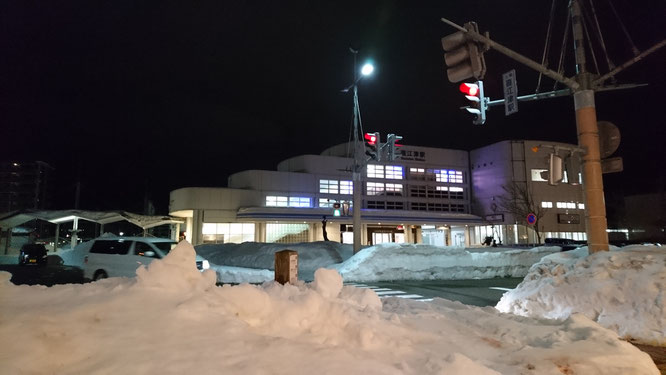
[328, 186]
[300, 202]
[276, 201]
[394, 172]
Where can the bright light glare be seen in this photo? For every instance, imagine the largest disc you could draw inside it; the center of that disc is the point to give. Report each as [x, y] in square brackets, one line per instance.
[367, 69]
[470, 89]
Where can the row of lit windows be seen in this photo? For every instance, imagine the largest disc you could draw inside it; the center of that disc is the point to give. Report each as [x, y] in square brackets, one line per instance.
[437, 207]
[439, 175]
[391, 172]
[380, 188]
[282, 201]
[571, 205]
[336, 187]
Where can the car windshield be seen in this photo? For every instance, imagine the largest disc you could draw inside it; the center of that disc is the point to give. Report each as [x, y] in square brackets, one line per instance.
[165, 247]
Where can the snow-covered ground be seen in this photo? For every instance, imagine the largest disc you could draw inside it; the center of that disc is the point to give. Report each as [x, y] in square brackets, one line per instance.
[623, 289]
[382, 262]
[172, 319]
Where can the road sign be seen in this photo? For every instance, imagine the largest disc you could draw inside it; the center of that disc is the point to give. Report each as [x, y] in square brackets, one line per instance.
[609, 138]
[531, 219]
[510, 92]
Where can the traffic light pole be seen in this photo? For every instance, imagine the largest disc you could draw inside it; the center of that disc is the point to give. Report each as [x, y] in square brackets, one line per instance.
[359, 163]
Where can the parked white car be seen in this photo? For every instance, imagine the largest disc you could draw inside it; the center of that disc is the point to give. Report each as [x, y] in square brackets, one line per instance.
[112, 256]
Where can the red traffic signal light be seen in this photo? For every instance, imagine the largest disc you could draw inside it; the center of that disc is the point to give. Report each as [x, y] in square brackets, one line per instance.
[470, 89]
[371, 138]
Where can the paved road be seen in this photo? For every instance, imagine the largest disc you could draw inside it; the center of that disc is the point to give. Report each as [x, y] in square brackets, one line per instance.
[470, 292]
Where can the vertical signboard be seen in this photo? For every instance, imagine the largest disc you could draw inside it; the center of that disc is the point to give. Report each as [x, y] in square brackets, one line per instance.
[510, 92]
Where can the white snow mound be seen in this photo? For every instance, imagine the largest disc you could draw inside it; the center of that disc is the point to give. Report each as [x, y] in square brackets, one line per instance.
[623, 290]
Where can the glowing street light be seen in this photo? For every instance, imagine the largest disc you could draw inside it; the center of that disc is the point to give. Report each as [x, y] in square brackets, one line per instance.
[367, 69]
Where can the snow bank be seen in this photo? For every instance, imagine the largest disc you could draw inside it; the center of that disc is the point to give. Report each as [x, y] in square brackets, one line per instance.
[393, 261]
[171, 319]
[623, 290]
[258, 255]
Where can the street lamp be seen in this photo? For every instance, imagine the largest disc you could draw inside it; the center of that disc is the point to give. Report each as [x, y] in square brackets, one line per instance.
[359, 160]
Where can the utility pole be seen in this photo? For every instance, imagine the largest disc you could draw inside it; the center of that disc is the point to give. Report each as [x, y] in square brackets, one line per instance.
[359, 164]
[588, 139]
[583, 86]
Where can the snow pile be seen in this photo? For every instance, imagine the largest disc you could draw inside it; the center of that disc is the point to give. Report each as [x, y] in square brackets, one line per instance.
[174, 320]
[623, 290]
[393, 261]
[258, 255]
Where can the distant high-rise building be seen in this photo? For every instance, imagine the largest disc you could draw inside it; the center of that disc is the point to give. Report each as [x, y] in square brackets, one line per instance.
[25, 185]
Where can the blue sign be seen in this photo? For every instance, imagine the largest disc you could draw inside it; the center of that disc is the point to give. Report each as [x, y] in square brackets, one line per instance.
[531, 219]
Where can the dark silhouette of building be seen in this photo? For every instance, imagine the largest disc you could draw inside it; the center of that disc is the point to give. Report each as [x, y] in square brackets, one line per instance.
[25, 185]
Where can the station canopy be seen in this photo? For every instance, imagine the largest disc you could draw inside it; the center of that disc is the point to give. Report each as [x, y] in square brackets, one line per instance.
[17, 218]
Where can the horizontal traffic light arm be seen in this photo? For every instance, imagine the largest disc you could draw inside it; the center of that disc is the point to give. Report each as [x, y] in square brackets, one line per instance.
[516, 56]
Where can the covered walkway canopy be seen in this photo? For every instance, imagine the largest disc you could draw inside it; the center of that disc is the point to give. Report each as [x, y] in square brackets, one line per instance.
[145, 222]
[17, 218]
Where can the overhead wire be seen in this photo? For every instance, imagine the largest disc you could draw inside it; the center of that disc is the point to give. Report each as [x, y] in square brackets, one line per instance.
[600, 35]
[624, 29]
[546, 48]
[565, 38]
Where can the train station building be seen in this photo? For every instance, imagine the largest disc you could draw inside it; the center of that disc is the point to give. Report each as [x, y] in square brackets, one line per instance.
[428, 195]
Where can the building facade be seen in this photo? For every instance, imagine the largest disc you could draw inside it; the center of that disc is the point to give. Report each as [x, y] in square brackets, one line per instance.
[24, 185]
[429, 195]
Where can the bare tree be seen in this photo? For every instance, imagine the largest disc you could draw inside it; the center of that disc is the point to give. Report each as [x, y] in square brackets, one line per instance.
[519, 201]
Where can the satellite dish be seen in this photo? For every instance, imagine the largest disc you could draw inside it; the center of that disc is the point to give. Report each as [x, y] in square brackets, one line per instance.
[609, 138]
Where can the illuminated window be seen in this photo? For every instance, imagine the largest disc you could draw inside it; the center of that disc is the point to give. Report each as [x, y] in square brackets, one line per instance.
[394, 172]
[346, 187]
[276, 201]
[571, 205]
[393, 189]
[300, 202]
[547, 204]
[287, 233]
[326, 203]
[581, 206]
[374, 188]
[375, 171]
[417, 173]
[328, 186]
[456, 192]
[227, 232]
[444, 175]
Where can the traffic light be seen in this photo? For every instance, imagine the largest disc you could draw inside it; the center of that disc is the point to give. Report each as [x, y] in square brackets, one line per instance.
[464, 56]
[555, 173]
[393, 146]
[336, 209]
[372, 145]
[478, 102]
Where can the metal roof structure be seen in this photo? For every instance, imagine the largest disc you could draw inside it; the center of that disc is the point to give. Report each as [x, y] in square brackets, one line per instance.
[17, 218]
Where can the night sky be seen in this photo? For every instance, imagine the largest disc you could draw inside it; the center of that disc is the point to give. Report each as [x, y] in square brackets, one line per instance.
[137, 98]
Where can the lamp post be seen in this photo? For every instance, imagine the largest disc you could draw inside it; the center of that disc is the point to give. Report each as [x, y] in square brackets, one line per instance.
[359, 161]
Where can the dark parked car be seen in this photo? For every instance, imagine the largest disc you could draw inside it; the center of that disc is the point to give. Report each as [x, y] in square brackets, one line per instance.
[32, 254]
